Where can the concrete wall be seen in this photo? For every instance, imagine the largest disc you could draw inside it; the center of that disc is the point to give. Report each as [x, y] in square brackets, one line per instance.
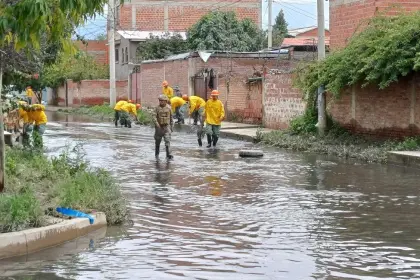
[393, 112]
[180, 14]
[89, 92]
[348, 16]
[281, 101]
[97, 49]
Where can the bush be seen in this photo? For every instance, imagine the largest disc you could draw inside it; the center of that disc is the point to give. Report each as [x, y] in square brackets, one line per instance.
[35, 183]
[144, 117]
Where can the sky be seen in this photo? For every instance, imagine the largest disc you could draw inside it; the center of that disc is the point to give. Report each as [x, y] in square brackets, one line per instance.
[298, 13]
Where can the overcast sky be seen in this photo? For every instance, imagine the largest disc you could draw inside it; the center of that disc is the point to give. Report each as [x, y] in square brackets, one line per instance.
[298, 13]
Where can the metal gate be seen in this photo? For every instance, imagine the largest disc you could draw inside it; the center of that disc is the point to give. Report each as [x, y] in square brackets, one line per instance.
[200, 87]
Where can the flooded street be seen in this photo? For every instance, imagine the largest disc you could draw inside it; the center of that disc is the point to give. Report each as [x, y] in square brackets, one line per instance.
[209, 214]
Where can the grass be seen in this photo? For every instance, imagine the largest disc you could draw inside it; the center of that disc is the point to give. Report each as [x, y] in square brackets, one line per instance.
[36, 184]
[144, 117]
[338, 143]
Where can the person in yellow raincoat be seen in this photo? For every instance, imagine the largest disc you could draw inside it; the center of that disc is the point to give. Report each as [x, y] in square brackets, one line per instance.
[27, 122]
[178, 106]
[214, 115]
[167, 90]
[117, 110]
[197, 105]
[127, 110]
[29, 94]
[37, 114]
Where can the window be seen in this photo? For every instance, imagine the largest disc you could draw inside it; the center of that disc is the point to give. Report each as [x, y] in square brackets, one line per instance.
[117, 52]
[123, 56]
[126, 55]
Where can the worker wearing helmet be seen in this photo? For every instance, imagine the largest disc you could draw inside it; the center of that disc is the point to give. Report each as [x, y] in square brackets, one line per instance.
[128, 110]
[197, 105]
[214, 115]
[163, 121]
[177, 92]
[167, 90]
[117, 110]
[178, 108]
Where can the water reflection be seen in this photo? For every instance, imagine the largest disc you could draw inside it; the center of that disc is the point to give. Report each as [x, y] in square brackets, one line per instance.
[209, 214]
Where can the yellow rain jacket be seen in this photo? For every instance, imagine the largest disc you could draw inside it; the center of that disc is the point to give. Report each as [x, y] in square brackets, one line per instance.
[38, 115]
[130, 108]
[215, 112]
[120, 104]
[29, 92]
[196, 103]
[22, 113]
[177, 102]
[168, 91]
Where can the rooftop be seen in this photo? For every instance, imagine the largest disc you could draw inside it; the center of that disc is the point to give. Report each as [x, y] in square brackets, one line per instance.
[297, 42]
[143, 35]
[297, 31]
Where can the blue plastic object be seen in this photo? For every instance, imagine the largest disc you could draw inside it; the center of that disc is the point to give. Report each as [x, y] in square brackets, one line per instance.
[75, 213]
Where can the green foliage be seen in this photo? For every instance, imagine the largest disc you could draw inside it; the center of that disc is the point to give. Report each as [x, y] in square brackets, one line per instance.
[409, 144]
[158, 47]
[76, 67]
[144, 117]
[101, 37]
[388, 49]
[305, 123]
[223, 31]
[24, 23]
[279, 29]
[36, 183]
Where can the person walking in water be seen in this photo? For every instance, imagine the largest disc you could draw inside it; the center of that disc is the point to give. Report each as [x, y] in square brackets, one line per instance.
[197, 105]
[128, 110]
[162, 118]
[214, 115]
[167, 90]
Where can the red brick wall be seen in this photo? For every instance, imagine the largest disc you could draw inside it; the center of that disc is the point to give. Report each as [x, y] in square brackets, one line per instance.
[89, 92]
[97, 49]
[347, 16]
[281, 102]
[244, 102]
[183, 15]
[383, 113]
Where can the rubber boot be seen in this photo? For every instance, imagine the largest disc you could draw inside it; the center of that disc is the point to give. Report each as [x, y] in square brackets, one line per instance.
[157, 148]
[215, 138]
[200, 143]
[168, 153]
[208, 141]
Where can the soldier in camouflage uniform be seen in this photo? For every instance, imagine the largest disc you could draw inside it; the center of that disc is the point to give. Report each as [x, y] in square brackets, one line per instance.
[163, 121]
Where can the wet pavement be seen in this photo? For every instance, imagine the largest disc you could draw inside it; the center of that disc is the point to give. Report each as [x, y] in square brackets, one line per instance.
[209, 214]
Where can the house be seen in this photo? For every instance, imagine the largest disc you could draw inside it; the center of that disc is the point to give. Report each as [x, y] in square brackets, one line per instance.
[126, 43]
[307, 32]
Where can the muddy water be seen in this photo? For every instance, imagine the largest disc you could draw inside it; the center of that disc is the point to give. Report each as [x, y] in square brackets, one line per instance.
[211, 215]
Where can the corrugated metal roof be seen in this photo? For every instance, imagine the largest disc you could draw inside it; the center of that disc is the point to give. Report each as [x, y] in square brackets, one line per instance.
[290, 42]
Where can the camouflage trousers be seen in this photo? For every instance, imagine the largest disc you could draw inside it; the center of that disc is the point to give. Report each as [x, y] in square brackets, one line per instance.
[165, 133]
[125, 119]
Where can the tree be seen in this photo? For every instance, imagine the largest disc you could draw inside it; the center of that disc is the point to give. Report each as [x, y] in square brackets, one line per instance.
[279, 29]
[25, 24]
[158, 47]
[224, 32]
[101, 37]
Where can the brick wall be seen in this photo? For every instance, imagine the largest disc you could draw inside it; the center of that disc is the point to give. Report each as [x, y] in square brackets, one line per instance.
[180, 14]
[281, 102]
[348, 16]
[89, 92]
[95, 48]
[312, 34]
[393, 112]
[244, 102]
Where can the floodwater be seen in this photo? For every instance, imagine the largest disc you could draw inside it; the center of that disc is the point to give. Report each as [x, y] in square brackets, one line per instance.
[210, 215]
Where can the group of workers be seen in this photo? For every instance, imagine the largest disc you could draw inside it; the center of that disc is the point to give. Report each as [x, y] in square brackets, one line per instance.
[124, 110]
[211, 113]
[34, 120]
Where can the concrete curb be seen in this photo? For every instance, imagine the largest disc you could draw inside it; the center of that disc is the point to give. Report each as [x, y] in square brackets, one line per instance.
[32, 240]
[408, 159]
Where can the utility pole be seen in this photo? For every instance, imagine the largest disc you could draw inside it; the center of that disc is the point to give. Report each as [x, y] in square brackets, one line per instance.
[270, 24]
[111, 45]
[322, 119]
[2, 145]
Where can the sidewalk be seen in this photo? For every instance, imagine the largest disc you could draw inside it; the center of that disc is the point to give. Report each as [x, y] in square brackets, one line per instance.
[409, 159]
